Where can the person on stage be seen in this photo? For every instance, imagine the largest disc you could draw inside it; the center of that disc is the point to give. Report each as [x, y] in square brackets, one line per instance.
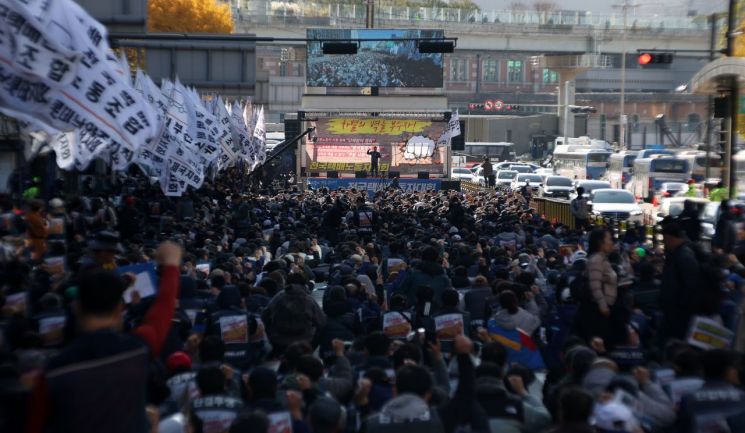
[374, 158]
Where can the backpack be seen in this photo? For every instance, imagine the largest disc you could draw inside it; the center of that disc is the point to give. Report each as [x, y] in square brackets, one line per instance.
[290, 317]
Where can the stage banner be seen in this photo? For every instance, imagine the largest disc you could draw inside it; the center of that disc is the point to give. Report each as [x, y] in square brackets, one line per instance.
[374, 185]
[406, 145]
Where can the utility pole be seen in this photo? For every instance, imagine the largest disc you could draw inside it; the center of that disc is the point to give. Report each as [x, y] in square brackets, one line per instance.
[625, 7]
[734, 96]
[710, 100]
[369, 24]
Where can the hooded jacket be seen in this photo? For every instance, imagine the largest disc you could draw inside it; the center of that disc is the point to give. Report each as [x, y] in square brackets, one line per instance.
[522, 320]
[429, 274]
[406, 413]
[507, 412]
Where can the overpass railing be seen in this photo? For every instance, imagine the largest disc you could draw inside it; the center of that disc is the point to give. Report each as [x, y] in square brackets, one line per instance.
[334, 14]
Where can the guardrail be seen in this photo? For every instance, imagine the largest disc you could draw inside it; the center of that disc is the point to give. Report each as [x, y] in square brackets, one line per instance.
[558, 211]
[326, 14]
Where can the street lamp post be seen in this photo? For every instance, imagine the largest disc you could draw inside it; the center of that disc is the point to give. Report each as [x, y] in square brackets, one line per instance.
[622, 118]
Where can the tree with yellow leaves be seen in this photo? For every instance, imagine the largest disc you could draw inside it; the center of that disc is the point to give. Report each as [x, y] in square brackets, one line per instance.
[189, 16]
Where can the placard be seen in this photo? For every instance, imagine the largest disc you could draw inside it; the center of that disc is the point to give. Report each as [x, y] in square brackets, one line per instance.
[707, 334]
[146, 281]
[395, 325]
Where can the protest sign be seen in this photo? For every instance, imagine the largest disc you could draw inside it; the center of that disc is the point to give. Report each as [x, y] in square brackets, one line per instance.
[708, 334]
[145, 283]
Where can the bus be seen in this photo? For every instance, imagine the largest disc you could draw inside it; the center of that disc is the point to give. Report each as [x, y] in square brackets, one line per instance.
[650, 173]
[496, 152]
[647, 153]
[580, 162]
[697, 161]
[620, 167]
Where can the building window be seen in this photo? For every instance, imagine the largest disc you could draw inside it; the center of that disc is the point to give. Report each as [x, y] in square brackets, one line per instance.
[458, 70]
[550, 77]
[282, 69]
[694, 121]
[515, 71]
[491, 70]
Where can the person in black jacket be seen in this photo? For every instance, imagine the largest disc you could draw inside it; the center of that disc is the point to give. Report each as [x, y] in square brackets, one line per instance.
[680, 283]
[341, 321]
[689, 221]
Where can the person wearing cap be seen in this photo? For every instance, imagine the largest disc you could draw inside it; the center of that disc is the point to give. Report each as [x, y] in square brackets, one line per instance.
[58, 221]
[679, 296]
[689, 220]
[102, 252]
[101, 377]
[579, 210]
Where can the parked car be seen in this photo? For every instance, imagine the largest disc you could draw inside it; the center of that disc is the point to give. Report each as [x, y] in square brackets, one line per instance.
[616, 204]
[461, 174]
[557, 187]
[673, 206]
[505, 177]
[590, 185]
[544, 172]
[521, 168]
[673, 189]
[710, 216]
[534, 181]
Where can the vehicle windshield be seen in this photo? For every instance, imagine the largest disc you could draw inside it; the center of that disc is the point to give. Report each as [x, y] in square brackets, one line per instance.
[506, 174]
[619, 196]
[521, 168]
[558, 181]
[597, 157]
[589, 186]
[669, 166]
[533, 178]
[461, 171]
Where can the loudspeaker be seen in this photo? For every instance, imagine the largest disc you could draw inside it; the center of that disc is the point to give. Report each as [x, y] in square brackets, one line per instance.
[721, 107]
[429, 47]
[392, 174]
[292, 128]
[314, 174]
[459, 142]
[340, 48]
[333, 174]
[360, 174]
[422, 175]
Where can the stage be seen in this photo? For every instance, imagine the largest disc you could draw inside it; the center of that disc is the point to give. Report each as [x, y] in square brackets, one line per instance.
[375, 184]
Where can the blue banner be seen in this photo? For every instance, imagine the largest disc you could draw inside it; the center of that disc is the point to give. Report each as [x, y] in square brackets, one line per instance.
[373, 185]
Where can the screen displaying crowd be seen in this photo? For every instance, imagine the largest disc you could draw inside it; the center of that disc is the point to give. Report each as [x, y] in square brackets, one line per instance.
[244, 308]
[385, 58]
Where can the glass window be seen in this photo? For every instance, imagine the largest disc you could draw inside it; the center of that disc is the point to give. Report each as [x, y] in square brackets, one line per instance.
[597, 157]
[491, 70]
[458, 70]
[515, 71]
[559, 181]
[669, 166]
[613, 197]
[550, 77]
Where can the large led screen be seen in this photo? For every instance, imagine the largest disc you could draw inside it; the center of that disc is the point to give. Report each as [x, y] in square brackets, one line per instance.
[383, 60]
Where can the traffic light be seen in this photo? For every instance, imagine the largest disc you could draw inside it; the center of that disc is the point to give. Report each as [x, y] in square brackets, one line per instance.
[645, 59]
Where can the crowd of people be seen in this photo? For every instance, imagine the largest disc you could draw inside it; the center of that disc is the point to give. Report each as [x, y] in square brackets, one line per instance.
[339, 311]
[370, 68]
